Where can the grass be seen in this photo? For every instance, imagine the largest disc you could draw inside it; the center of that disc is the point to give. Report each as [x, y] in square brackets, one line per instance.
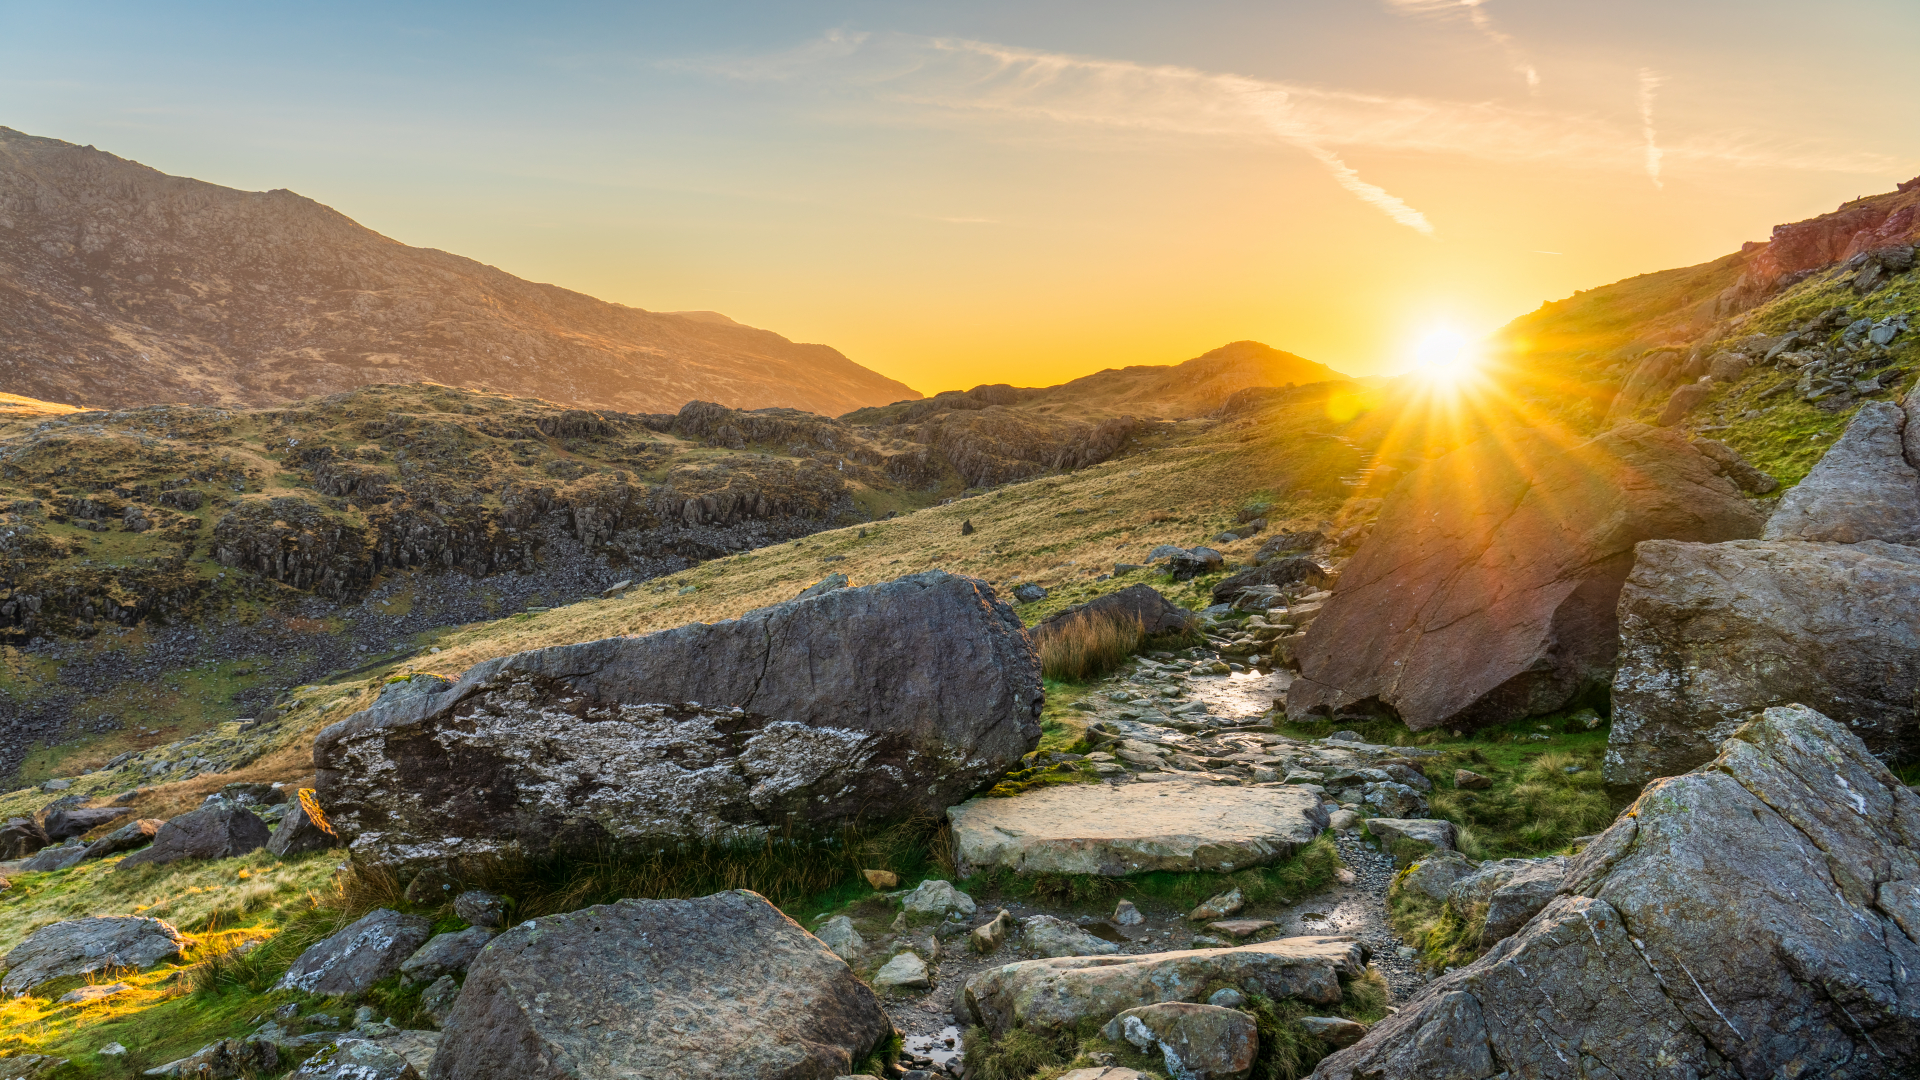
[1445, 935]
[1086, 646]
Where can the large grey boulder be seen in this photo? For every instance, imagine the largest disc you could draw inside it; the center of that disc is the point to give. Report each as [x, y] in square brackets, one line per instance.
[1486, 591]
[1197, 1042]
[370, 949]
[70, 823]
[1862, 489]
[83, 946]
[1058, 993]
[1710, 633]
[1756, 917]
[721, 986]
[21, 837]
[1180, 825]
[885, 700]
[1513, 890]
[218, 830]
[56, 857]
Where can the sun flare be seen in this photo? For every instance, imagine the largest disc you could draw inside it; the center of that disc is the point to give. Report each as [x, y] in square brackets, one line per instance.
[1446, 356]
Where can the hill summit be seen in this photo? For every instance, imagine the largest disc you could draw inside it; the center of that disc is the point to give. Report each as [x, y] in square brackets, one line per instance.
[121, 285]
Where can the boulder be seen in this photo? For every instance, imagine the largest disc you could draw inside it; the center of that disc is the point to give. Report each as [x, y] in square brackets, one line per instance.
[1156, 613]
[937, 898]
[1758, 916]
[1736, 468]
[1197, 1042]
[218, 830]
[724, 985]
[358, 1059]
[1486, 592]
[1710, 633]
[1334, 1030]
[370, 949]
[1187, 565]
[228, 1059]
[1514, 890]
[885, 700]
[840, 938]
[1861, 489]
[1393, 799]
[304, 828]
[1058, 993]
[481, 908]
[252, 793]
[824, 585]
[1433, 876]
[57, 857]
[21, 837]
[1683, 401]
[1289, 571]
[1175, 824]
[70, 824]
[1468, 780]
[1219, 907]
[84, 946]
[445, 954]
[904, 974]
[132, 835]
[1048, 935]
[1437, 835]
[1283, 544]
[438, 999]
[990, 935]
[33, 1066]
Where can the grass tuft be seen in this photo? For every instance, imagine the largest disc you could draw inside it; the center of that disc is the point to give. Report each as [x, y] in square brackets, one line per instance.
[1090, 645]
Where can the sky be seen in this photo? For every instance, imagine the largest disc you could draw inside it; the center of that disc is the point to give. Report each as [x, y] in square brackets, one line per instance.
[1027, 191]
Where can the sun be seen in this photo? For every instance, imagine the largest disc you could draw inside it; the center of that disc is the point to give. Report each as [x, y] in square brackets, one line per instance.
[1445, 355]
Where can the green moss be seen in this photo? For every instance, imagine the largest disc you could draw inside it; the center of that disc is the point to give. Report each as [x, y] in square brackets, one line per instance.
[1310, 869]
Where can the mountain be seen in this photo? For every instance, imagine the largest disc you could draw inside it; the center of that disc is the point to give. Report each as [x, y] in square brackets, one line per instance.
[1196, 387]
[121, 285]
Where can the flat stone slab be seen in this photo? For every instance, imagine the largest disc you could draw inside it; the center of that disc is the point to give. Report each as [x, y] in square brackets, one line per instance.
[1177, 825]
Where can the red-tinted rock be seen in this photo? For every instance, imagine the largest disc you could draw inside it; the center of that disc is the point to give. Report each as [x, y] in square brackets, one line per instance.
[1486, 592]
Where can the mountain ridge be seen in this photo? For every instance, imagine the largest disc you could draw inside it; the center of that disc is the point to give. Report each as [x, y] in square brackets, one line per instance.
[123, 285]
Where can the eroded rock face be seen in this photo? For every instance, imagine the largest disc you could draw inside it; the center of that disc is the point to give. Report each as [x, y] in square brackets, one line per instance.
[1059, 992]
[81, 946]
[1862, 489]
[724, 985]
[1709, 633]
[876, 701]
[1486, 592]
[1773, 897]
[1180, 825]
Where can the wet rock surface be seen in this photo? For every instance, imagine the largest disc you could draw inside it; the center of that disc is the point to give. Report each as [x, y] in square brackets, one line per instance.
[879, 700]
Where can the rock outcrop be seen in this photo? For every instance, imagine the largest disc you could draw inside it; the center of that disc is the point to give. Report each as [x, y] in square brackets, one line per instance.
[724, 985]
[1486, 591]
[1056, 994]
[1710, 633]
[1758, 916]
[218, 830]
[83, 946]
[1176, 824]
[883, 700]
[1197, 1042]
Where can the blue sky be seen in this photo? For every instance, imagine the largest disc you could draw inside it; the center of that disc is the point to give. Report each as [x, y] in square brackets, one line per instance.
[963, 193]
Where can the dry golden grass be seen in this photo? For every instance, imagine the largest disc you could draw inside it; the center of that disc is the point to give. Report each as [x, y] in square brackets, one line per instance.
[1087, 646]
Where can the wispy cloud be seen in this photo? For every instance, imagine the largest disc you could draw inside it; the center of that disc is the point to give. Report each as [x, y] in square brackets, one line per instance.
[960, 81]
[1475, 12]
[1649, 82]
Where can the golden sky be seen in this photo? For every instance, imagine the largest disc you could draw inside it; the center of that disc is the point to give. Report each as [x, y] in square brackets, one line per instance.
[1020, 192]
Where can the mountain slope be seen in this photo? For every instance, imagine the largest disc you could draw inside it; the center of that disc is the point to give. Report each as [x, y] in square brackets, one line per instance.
[121, 285]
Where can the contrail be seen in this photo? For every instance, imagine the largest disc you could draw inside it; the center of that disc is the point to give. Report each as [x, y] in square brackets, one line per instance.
[1480, 21]
[1649, 82]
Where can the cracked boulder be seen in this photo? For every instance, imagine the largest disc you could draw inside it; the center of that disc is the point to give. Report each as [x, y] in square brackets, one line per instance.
[721, 986]
[1756, 917]
[886, 700]
[1710, 633]
[1486, 592]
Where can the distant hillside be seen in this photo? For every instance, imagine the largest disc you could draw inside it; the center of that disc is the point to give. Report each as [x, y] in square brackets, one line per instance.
[121, 285]
[1153, 391]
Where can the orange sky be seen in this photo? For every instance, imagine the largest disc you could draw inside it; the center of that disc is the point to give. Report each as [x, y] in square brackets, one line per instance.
[1022, 192]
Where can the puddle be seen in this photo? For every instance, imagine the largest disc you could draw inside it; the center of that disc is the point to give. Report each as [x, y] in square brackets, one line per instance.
[942, 1048]
[1241, 694]
[1106, 931]
[1312, 916]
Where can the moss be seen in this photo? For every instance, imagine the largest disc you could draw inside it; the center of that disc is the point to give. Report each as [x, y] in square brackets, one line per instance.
[1310, 869]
